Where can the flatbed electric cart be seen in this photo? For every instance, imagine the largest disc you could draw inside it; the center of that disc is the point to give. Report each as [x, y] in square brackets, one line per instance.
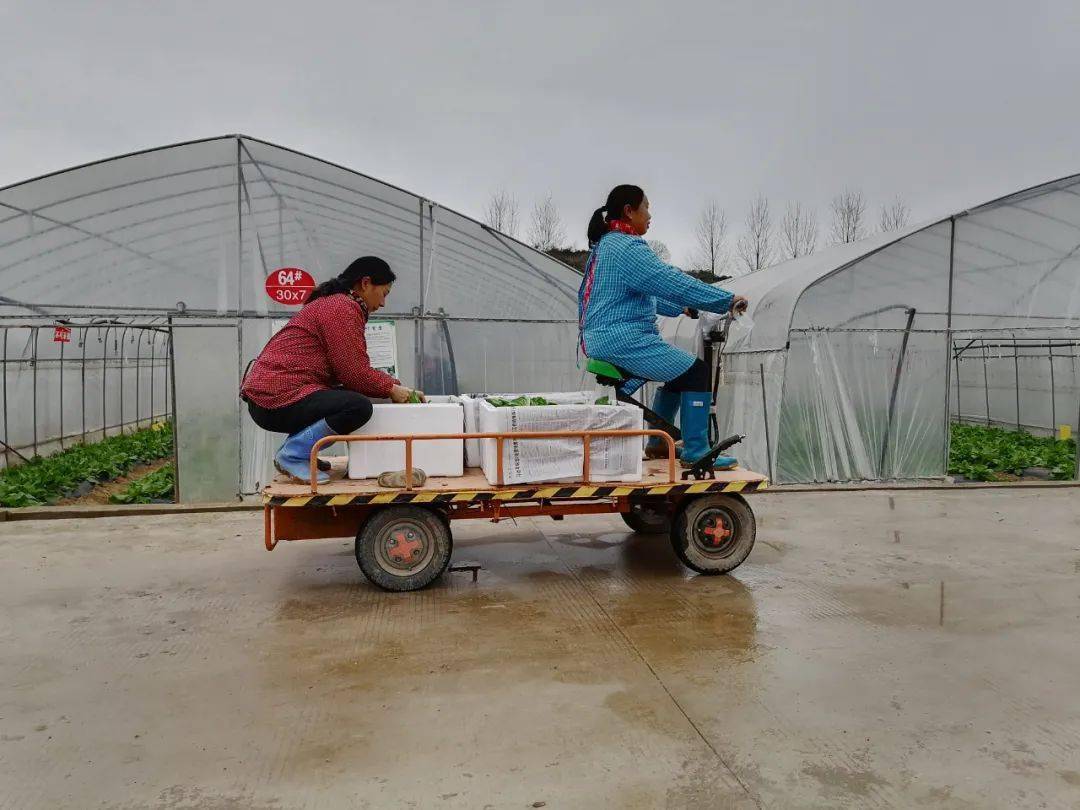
[403, 537]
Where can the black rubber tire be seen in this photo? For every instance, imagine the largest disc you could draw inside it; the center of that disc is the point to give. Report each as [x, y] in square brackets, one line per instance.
[648, 518]
[691, 540]
[425, 534]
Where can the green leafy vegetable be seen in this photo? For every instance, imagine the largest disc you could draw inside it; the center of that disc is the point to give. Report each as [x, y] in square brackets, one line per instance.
[603, 401]
[156, 486]
[44, 480]
[988, 454]
[414, 398]
[498, 402]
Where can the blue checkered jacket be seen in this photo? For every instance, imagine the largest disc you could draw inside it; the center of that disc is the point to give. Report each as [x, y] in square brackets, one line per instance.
[625, 286]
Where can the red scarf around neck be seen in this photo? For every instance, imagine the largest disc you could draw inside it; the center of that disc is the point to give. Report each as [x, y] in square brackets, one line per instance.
[622, 226]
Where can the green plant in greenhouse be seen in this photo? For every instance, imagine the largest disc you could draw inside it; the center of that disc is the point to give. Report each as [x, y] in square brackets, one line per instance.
[986, 453]
[44, 480]
[156, 486]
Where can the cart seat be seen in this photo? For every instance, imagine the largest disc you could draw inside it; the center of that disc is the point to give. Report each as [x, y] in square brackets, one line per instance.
[607, 374]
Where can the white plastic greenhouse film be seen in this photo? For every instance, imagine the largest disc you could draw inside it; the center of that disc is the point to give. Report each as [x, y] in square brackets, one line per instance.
[835, 417]
[206, 373]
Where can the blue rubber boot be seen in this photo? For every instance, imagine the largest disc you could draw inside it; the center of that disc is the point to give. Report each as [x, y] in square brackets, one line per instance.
[694, 424]
[666, 404]
[294, 456]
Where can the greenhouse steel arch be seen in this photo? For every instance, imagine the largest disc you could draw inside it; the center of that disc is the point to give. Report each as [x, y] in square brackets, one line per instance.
[173, 245]
[860, 356]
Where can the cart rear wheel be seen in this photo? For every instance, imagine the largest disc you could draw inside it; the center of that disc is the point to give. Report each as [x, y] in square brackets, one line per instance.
[648, 518]
[404, 548]
[713, 534]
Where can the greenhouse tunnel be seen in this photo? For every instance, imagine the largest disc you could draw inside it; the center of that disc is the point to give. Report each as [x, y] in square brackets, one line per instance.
[854, 361]
[133, 290]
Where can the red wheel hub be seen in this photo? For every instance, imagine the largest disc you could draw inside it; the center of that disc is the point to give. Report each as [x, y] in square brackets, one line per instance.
[403, 546]
[715, 531]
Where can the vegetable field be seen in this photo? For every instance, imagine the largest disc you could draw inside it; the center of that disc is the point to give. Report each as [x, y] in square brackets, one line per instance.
[992, 454]
[45, 480]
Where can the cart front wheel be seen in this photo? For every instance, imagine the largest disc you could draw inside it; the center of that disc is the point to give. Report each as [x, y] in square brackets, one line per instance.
[713, 534]
[404, 548]
[647, 518]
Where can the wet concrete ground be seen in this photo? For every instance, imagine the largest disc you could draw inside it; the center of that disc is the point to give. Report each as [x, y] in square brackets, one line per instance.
[876, 650]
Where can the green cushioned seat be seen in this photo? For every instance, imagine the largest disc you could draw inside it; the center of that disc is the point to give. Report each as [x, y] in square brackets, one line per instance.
[602, 368]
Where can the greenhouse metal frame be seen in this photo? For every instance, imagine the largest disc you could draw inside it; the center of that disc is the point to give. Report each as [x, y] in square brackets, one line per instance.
[177, 242]
[854, 361]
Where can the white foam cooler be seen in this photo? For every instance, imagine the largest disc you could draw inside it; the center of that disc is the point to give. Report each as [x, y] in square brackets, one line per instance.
[543, 460]
[443, 457]
[470, 402]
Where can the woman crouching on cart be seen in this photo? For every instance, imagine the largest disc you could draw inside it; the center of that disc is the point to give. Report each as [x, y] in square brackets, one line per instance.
[313, 378]
[625, 287]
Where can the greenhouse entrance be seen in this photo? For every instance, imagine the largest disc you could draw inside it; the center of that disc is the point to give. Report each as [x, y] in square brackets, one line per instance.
[1013, 404]
[86, 411]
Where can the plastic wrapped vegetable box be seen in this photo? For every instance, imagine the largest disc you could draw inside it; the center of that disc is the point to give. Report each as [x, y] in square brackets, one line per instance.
[542, 460]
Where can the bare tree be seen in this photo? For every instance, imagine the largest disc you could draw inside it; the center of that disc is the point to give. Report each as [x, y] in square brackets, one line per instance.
[755, 247]
[895, 215]
[661, 250]
[798, 232]
[849, 210]
[501, 212]
[546, 230]
[709, 255]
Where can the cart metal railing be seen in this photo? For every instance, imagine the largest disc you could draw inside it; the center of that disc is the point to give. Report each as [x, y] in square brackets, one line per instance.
[586, 437]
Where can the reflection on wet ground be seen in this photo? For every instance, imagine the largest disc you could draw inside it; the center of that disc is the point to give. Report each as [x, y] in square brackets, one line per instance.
[875, 650]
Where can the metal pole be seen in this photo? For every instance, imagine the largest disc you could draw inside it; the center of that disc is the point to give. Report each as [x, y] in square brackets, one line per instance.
[170, 370]
[104, 375]
[170, 379]
[123, 336]
[986, 383]
[33, 366]
[138, 381]
[82, 374]
[418, 332]
[61, 397]
[1053, 388]
[949, 346]
[1016, 365]
[153, 347]
[895, 390]
[7, 438]
[765, 411]
[959, 412]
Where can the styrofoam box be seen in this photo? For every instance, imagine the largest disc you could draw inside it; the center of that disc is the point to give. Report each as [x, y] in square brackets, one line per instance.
[443, 457]
[553, 460]
[473, 453]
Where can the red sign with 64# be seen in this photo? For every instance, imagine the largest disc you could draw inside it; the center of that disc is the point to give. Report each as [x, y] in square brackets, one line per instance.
[289, 286]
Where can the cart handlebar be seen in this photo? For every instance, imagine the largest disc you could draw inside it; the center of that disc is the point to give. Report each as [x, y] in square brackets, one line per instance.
[586, 437]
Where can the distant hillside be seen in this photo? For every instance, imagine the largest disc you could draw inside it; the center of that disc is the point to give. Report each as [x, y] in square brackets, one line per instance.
[574, 258]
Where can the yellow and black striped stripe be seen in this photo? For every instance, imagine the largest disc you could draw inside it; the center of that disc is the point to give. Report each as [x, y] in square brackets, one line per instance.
[508, 495]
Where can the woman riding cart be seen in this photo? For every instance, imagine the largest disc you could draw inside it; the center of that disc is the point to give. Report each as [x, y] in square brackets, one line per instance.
[625, 287]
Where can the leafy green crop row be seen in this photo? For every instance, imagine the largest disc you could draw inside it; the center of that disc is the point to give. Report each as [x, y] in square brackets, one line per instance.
[44, 480]
[156, 486]
[498, 402]
[985, 453]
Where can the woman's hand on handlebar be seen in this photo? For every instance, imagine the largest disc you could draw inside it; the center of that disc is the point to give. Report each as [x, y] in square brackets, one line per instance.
[739, 304]
[399, 395]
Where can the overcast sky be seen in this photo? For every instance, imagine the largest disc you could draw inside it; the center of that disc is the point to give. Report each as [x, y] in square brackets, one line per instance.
[945, 103]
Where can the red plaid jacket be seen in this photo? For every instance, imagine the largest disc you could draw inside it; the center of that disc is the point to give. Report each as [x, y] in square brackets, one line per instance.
[321, 347]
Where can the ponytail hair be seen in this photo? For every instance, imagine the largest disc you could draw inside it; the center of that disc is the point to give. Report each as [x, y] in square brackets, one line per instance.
[617, 200]
[365, 267]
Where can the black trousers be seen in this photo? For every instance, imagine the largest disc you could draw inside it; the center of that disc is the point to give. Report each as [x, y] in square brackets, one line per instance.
[344, 411]
[695, 378]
